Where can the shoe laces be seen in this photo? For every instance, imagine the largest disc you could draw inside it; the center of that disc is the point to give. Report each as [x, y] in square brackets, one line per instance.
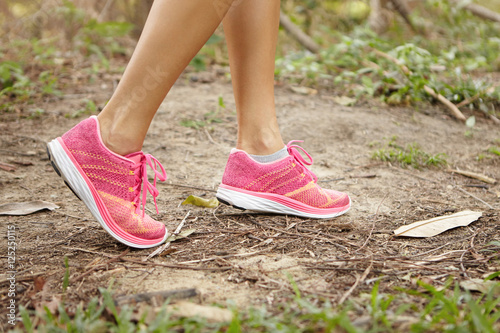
[294, 151]
[141, 178]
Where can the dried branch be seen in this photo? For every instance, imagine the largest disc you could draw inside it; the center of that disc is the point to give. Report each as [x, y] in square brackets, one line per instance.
[160, 296]
[477, 96]
[93, 269]
[167, 244]
[452, 107]
[482, 12]
[474, 175]
[298, 34]
[475, 197]
[358, 280]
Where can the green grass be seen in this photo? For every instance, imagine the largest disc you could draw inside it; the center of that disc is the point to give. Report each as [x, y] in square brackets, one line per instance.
[409, 155]
[426, 309]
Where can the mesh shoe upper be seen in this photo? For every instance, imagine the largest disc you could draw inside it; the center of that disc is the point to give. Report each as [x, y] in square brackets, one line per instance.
[288, 177]
[117, 179]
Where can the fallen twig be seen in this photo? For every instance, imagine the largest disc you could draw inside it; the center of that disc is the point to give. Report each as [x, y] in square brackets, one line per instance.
[90, 271]
[167, 244]
[456, 112]
[349, 177]
[7, 167]
[190, 186]
[160, 296]
[482, 12]
[147, 263]
[298, 34]
[358, 280]
[22, 278]
[225, 268]
[475, 197]
[478, 95]
[303, 235]
[220, 257]
[14, 152]
[474, 175]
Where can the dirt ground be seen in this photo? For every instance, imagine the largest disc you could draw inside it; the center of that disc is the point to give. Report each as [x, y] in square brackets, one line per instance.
[246, 257]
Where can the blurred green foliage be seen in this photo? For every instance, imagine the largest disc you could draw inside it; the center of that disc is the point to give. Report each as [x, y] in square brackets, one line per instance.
[456, 53]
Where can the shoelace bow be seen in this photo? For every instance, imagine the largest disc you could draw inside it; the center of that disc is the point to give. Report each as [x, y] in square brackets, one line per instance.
[141, 177]
[294, 151]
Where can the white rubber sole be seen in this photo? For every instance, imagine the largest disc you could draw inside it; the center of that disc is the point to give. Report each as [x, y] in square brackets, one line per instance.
[256, 203]
[65, 168]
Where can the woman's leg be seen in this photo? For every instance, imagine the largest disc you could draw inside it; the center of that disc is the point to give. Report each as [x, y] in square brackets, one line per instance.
[251, 29]
[174, 32]
[100, 159]
[279, 183]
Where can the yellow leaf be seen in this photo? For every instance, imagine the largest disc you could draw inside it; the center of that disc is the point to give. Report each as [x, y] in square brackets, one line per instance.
[182, 234]
[200, 202]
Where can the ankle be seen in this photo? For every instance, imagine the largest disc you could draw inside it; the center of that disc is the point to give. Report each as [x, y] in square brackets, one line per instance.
[116, 139]
[264, 143]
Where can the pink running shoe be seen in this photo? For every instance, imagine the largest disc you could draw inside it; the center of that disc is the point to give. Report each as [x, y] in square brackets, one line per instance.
[109, 184]
[284, 187]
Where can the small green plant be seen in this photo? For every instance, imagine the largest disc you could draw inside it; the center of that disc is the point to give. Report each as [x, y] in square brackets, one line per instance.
[202, 58]
[494, 150]
[13, 81]
[209, 117]
[196, 124]
[66, 275]
[447, 309]
[37, 113]
[48, 83]
[362, 63]
[90, 108]
[410, 155]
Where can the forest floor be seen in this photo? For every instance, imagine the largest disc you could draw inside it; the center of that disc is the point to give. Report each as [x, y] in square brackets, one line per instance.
[245, 257]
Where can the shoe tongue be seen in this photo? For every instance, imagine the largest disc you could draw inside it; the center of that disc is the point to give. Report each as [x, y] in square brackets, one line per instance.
[135, 157]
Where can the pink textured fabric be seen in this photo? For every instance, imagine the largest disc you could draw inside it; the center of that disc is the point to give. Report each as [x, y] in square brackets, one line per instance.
[288, 177]
[117, 179]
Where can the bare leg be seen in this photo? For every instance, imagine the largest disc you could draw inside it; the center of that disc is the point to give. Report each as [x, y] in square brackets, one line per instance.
[251, 29]
[174, 33]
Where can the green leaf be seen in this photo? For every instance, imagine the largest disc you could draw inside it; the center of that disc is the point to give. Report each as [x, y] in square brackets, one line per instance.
[200, 202]
[28, 325]
[221, 102]
[66, 275]
[492, 276]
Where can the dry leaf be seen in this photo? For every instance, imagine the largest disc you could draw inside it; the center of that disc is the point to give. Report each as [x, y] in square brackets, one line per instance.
[26, 208]
[344, 100]
[480, 285]
[180, 235]
[210, 313]
[437, 225]
[200, 202]
[53, 305]
[39, 283]
[304, 90]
